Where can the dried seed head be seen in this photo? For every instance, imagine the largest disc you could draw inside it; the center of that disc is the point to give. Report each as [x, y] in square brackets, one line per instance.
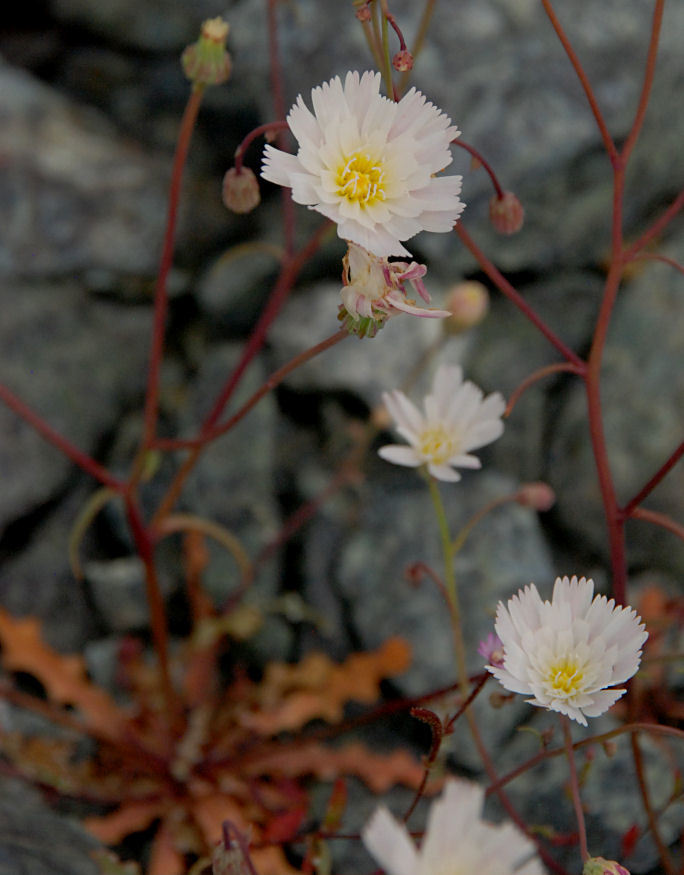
[241, 190]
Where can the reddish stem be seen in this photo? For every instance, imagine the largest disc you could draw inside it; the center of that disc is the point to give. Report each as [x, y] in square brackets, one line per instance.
[656, 256]
[655, 228]
[485, 164]
[83, 460]
[574, 787]
[584, 81]
[155, 600]
[648, 81]
[161, 296]
[646, 490]
[658, 519]
[391, 20]
[535, 376]
[282, 288]
[251, 136]
[507, 289]
[274, 380]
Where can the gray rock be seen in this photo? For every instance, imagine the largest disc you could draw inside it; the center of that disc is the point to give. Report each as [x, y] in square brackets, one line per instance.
[643, 396]
[118, 590]
[36, 841]
[76, 362]
[365, 565]
[74, 195]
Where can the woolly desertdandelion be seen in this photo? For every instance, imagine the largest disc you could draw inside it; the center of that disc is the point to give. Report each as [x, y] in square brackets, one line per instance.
[457, 419]
[457, 840]
[568, 653]
[369, 163]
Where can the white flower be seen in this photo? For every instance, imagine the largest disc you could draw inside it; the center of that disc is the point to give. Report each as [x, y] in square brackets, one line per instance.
[564, 653]
[369, 163]
[374, 287]
[456, 420]
[457, 841]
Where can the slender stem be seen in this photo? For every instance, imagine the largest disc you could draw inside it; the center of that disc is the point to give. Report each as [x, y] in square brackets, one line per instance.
[485, 164]
[78, 457]
[658, 519]
[251, 136]
[161, 296]
[387, 63]
[574, 787]
[187, 522]
[656, 256]
[463, 535]
[584, 81]
[648, 81]
[507, 289]
[655, 229]
[426, 17]
[646, 490]
[665, 857]
[155, 600]
[535, 376]
[274, 380]
[372, 45]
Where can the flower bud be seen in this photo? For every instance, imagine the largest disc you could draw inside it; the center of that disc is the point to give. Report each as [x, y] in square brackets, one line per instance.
[468, 304]
[207, 61]
[601, 866]
[363, 13]
[241, 190]
[403, 61]
[506, 213]
[538, 496]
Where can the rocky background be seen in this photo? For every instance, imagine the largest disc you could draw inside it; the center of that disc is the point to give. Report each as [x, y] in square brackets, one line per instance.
[91, 94]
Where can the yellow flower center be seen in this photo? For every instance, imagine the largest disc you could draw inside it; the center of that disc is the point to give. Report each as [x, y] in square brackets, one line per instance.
[360, 179]
[565, 677]
[437, 445]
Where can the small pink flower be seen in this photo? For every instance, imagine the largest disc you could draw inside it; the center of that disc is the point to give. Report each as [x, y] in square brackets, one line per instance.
[491, 649]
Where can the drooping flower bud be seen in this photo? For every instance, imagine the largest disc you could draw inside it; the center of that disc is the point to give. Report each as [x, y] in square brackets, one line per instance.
[207, 61]
[601, 866]
[506, 213]
[403, 61]
[468, 304]
[538, 496]
[241, 190]
[363, 13]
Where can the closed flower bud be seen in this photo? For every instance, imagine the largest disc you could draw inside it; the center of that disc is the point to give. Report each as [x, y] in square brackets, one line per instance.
[207, 61]
[403, 61]
[537, 495]
[506, 213]
[241, 190]
[601, 866]
[363, 13]
[468, 304]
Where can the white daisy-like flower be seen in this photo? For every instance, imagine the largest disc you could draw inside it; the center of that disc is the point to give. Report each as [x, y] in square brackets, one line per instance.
[457, 840]
[374, 287]
[566, 652]
[369, 163]
[456, 421]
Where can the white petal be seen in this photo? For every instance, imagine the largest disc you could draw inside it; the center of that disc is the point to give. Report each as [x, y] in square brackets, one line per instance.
[444, 472]
[389, 842]
[400, 455]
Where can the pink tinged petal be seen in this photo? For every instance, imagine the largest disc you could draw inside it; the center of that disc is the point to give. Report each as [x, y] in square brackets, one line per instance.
[390, 844]
[602, 700]
[400, 455]
[278, 166]
[444, 472]
[427, 312]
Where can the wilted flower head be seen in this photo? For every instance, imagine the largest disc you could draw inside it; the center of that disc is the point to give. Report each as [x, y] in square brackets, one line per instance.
[369, 163]
[566, 652]
[457, 839]
[374, 287]
[456, 421]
